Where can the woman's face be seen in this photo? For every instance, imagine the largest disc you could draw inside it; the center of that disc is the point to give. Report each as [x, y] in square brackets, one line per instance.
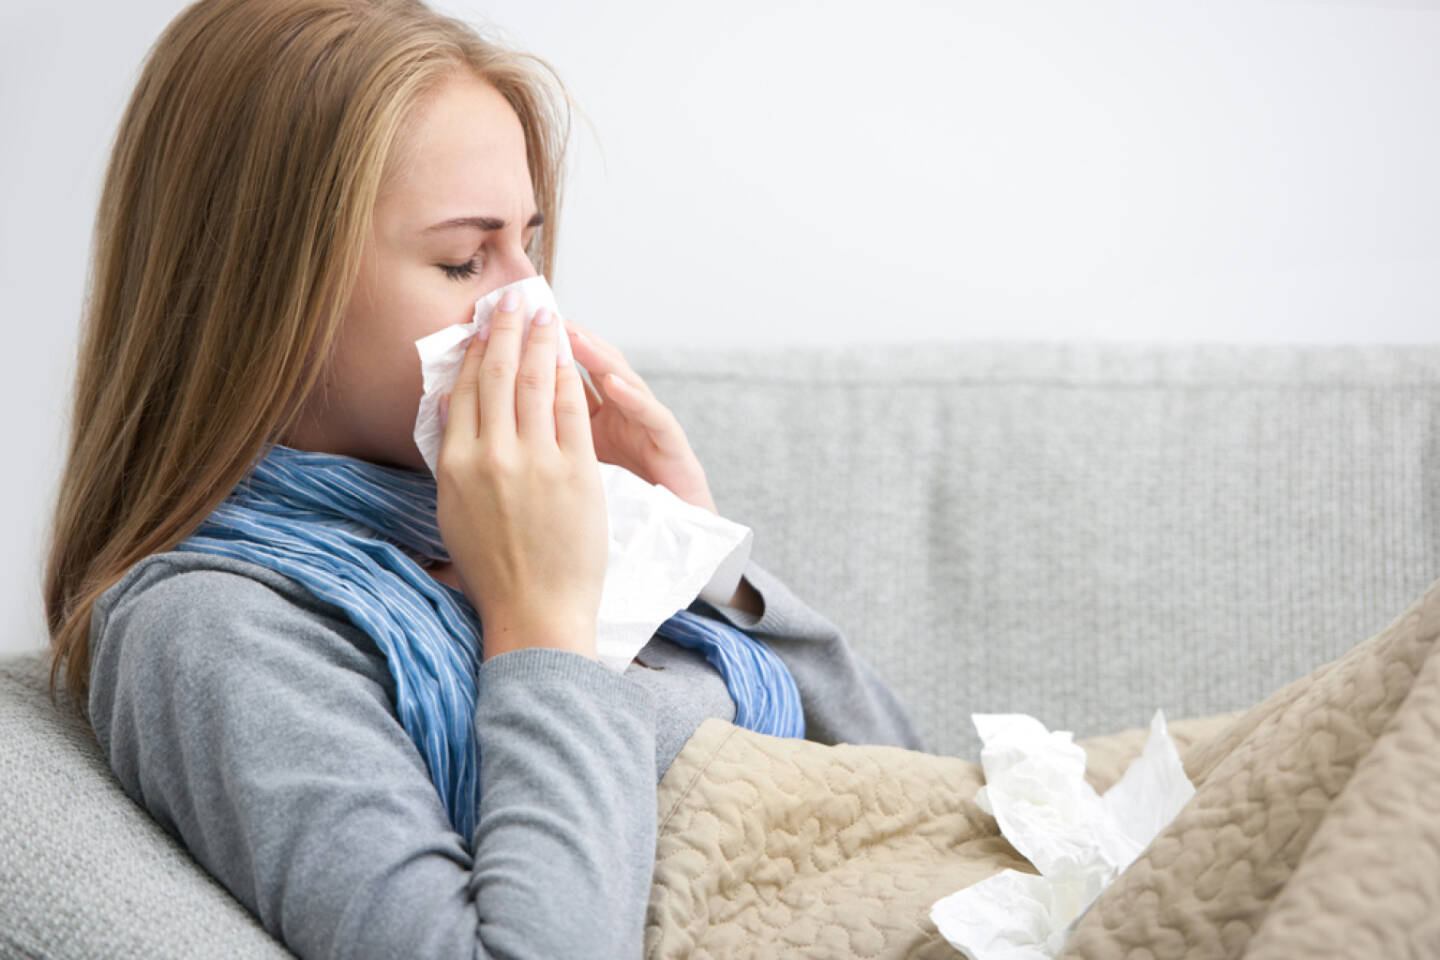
[427, 260]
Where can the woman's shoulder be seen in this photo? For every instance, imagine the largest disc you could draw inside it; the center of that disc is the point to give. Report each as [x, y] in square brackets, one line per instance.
[186, 579]
[195, 589]
[197, 612]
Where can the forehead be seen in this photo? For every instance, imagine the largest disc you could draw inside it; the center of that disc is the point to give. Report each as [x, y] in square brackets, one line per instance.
[463, 149]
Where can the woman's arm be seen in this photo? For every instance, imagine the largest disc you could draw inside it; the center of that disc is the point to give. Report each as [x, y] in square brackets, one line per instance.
[845, 700]
[261, 734]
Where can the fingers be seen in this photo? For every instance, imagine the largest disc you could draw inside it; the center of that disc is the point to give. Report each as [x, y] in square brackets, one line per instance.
[461, 409]
[535, 382]
[665, 431]
[498, 370]
[572, 413]
[549, 403]
[601, 358]
[632, 395]
[593, 401]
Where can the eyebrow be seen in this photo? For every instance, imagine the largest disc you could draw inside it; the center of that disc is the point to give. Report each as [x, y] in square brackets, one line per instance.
[484, 223]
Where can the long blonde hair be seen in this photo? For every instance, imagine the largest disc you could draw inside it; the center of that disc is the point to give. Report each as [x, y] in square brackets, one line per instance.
[234, 210]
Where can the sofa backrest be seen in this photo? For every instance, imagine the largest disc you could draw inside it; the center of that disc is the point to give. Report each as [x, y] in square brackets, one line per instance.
[1083, 532]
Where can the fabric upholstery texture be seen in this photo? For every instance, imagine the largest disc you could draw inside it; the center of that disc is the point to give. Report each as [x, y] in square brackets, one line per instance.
[84, 871]
[1083, 532]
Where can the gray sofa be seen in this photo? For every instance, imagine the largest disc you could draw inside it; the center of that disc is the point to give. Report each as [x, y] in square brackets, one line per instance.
[1083, 532]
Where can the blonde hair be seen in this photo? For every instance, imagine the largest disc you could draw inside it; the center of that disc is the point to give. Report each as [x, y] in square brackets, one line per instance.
[234, 210]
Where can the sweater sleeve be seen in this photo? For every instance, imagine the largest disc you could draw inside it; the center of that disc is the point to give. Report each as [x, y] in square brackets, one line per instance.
[844, 699]
[262, 735]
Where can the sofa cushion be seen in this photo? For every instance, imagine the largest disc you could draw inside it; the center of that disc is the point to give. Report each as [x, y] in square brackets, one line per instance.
[84, 871]
[1079, 531]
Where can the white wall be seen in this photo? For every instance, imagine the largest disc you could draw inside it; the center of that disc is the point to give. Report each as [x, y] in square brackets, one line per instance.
[1176, 170]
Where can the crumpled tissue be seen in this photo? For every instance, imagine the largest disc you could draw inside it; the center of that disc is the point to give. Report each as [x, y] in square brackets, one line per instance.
[663, 552]
[1080, 841]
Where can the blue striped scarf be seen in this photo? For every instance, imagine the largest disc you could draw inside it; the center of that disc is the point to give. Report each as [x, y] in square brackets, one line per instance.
[351, 531]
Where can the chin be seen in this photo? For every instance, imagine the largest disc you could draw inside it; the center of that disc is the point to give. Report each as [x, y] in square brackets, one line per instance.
[405, 458]
[413, 461]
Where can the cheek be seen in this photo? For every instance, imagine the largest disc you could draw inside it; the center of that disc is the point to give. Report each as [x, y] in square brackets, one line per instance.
[433, 302]
[457, 308]
[411, 314]
[407, 300]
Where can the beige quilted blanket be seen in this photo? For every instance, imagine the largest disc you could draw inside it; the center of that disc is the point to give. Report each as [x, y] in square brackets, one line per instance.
[1314, 831]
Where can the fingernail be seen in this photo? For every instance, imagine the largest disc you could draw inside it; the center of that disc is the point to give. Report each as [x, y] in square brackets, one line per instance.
[580, 336]
[510, 301]
[484, 333]
[444, 410]
[542, 317]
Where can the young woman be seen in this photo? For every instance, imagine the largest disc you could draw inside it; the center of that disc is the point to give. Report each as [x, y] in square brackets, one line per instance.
[367, 698]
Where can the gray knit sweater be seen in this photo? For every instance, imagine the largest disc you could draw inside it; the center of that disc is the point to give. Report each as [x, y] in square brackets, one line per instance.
[257, 725]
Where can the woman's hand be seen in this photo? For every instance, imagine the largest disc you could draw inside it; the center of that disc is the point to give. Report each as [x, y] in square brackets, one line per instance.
[519, 498]
[631, 428]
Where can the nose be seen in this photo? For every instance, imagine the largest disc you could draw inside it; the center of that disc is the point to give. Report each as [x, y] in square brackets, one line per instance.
[515, 266]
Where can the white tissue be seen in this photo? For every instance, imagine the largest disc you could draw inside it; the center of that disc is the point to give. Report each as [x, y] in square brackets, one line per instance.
[442, 352]
[664, 552]
[1079, 841]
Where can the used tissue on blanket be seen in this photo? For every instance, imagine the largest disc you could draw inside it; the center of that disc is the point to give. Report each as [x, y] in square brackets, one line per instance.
[1080, 841]
[664, 552]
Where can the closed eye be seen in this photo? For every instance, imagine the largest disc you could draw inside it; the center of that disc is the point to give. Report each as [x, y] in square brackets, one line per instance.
[463, 271]
[466, 270]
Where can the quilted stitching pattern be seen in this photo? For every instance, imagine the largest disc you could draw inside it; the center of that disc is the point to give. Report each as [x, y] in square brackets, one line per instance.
[1315, 828]
[788, 848]
[1314, 831]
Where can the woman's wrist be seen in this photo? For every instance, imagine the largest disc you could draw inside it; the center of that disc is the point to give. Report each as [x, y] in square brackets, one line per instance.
[503, 635]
